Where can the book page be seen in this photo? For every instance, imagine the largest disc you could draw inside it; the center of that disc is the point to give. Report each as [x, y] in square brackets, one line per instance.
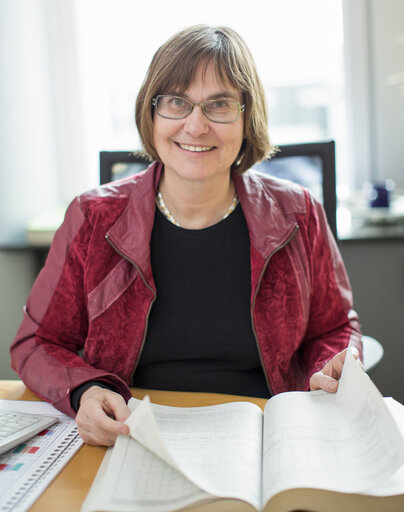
[347, 441]
[218, 447]
[133, 479]
[143, 427]
[395, 483]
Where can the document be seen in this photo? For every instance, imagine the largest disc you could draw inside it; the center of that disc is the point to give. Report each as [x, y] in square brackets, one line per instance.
[27, 469]
[307, 450]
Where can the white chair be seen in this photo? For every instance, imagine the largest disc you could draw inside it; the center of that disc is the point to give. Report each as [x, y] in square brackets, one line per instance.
[372, 353]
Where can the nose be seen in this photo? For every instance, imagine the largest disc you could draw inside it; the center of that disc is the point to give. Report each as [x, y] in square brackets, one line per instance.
[196, 123]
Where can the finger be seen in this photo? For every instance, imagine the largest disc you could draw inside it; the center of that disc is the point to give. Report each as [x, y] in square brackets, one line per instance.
[337, 362]
[103, 421]
[89, 431]
[355, 352]
[334, 367]
[117, 407]
[103, 439]
[322, 381]
[90, 437]
[328, 376]
[95, 426]
[113, 404]
[93, 433]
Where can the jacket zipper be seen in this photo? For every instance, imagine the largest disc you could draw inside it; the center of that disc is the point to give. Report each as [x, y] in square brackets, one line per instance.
[256, 293]
[150, 306]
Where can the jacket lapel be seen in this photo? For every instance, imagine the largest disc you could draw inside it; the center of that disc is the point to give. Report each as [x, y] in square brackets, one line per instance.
[269, 223]
[131, 232]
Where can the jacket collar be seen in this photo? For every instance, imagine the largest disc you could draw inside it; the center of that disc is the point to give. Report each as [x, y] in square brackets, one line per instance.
[270, 224]
[131, 232]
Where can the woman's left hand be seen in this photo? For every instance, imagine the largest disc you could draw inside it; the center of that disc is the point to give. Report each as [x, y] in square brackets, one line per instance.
[327, 378]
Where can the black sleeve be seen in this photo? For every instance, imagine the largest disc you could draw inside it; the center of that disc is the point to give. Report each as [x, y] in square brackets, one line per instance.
[77, 392]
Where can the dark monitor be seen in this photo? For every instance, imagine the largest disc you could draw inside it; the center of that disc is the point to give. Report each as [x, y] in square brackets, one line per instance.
[309, 164]
[115, 165]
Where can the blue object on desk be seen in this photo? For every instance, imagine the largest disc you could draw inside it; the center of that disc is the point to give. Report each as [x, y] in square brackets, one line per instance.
[380, 196]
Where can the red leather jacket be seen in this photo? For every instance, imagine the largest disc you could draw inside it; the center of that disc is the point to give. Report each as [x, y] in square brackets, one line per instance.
[96, 290]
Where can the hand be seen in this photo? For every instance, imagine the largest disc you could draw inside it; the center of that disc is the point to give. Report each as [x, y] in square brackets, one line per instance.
[327, 378]
[101, 415]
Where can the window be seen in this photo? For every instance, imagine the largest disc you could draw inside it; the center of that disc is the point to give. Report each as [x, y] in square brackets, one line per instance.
[73, 69]
[297, 46]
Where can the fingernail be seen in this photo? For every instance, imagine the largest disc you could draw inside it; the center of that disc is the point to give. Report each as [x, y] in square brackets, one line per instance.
[354, 351]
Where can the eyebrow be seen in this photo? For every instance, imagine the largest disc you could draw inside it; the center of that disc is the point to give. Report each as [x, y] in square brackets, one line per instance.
[215, 96]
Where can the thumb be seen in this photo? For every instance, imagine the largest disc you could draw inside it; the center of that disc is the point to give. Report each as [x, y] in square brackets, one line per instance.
[354, 351]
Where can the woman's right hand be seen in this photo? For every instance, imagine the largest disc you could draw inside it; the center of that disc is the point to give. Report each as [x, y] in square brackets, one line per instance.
[101, 415]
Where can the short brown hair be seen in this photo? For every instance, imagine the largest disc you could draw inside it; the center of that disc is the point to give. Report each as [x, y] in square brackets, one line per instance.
[173, 67]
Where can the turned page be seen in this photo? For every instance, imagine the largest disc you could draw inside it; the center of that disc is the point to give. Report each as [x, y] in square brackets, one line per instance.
[182, 456]
[218, 448]
[347, 441]
[132, 478]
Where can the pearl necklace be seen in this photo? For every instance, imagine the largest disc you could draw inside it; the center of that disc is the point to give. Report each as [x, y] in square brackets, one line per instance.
[166, 212]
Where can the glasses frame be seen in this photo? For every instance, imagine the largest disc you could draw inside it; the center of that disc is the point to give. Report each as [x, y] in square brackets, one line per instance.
[193, 104]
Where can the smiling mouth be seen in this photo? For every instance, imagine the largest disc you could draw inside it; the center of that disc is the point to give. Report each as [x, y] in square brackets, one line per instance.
[195, 149]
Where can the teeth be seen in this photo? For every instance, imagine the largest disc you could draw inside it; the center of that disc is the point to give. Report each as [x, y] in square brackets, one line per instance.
[195, 148]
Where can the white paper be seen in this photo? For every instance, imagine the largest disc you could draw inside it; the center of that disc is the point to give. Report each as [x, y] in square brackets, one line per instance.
[133, 479]
[29, 468]
[143, 427]
[217, 447]
[31, 407]
[395, 483]
[346, 441]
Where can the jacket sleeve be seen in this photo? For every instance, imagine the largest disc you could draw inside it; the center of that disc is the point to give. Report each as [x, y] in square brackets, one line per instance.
[45, 352]
[333, 325]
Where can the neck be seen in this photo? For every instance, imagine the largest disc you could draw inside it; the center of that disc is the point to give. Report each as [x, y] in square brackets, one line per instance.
[195, 204]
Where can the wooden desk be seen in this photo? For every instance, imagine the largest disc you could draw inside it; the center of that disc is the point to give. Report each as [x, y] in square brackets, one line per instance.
[69, 489]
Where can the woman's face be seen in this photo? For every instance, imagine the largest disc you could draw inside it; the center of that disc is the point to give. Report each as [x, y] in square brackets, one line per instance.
[195, 148]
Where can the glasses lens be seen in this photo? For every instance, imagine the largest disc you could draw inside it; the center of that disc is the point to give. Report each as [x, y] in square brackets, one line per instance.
[173, 107]
[222, 111]
[219, 111]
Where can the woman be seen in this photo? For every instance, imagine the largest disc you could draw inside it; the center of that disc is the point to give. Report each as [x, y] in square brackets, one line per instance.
[197, 274]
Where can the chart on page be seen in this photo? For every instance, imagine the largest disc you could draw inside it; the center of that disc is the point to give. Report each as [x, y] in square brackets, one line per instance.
[27, 469]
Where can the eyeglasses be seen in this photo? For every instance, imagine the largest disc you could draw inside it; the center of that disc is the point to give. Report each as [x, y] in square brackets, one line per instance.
[221, 110]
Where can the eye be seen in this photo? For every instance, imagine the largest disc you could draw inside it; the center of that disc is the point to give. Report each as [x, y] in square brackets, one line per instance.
[175, 101]
[221, 104]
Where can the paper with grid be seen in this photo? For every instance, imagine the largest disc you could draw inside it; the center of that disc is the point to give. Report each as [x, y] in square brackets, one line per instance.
[216, 447]
[207, 464]
[150, 483]
[343, 442]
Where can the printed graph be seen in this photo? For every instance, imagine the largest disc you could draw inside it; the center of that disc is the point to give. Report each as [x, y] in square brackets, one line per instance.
[27, 469]
[15, 459]
[25, 448]
[46, 432]
[11, 467]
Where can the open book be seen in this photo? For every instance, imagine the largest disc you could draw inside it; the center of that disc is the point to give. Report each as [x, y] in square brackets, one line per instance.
[308, 451]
